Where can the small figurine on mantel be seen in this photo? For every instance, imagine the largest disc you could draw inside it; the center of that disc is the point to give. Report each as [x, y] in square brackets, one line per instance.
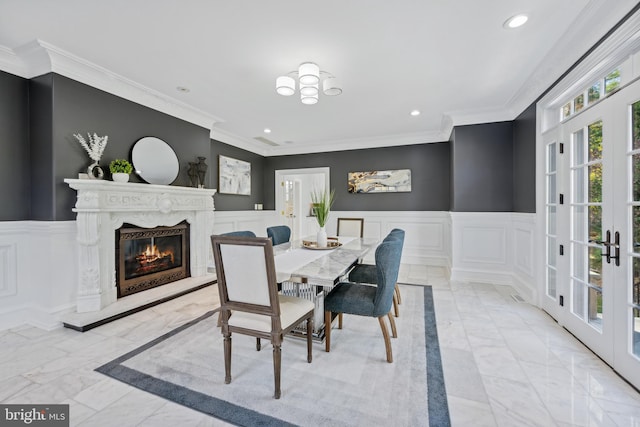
[95, 147]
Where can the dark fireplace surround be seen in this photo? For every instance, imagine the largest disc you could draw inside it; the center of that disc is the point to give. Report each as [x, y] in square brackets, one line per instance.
[150, 257]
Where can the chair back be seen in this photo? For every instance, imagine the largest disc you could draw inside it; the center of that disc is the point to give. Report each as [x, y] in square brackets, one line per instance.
[243, 233]
[351, 227]
[279, 234]
[251, 290]
[388, 254]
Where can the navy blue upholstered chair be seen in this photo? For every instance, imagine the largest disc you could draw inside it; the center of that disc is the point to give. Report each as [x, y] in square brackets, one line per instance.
[366, 273]
[366, 300]
[279, 234]
[244, 233]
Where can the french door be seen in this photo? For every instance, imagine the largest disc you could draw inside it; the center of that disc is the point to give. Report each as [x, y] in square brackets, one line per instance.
[593, 229]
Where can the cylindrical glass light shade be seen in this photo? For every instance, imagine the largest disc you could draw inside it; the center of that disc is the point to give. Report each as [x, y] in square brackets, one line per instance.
[285, 85]
[309, 73]
[330, 87]
[309, 100]
[309, 90]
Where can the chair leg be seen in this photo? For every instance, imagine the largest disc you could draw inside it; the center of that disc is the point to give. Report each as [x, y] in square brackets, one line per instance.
[227, 359]
[398, 294]
[339, 320]
[327, 331]
[394, 331]
[309, 339]
[277, 353]
[395, 305]
[387, 340]
[258, 345]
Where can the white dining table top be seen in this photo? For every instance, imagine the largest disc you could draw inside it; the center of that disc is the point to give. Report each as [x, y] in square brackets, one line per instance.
[319, 266]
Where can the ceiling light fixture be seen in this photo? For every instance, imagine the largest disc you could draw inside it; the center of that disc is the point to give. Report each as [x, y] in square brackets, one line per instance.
[309, 78]
[267, 130]
[415, 113]
[516, 21]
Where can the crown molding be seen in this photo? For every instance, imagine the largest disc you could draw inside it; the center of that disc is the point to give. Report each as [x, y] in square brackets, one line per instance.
[360, 143]
[594, 21]
[237, 141]
[39, 57]
[11, 63]
[489, 115]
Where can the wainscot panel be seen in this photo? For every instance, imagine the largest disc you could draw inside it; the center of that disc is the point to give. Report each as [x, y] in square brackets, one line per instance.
[38, 282]
[495, 248]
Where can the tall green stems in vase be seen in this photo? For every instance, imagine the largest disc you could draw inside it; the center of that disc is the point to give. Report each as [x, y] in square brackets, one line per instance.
[322, 202]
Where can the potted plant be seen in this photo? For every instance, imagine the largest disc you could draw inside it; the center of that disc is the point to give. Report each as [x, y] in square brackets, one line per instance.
[322, 202]
[120, 170]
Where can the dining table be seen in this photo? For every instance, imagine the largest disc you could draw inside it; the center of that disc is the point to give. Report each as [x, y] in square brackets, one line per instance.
[306, 271]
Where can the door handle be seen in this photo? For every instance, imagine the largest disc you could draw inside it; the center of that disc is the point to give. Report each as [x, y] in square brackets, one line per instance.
[616, 247]
[607, 244]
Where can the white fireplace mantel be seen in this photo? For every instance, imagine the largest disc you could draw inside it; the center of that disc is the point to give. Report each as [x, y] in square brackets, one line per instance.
[103, 206]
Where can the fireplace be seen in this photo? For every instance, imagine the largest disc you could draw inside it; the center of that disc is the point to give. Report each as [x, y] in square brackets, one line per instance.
[150, 257]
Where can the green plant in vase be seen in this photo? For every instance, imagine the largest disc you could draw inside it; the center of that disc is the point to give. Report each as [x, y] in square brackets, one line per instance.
[322, 202]
[120, 170]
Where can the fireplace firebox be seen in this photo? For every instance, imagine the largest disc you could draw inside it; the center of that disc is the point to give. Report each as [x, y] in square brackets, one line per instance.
[150, 257]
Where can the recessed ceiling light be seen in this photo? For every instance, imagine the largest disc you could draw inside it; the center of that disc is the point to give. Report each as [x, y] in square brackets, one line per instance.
[516, 21]
[267, 130]
[183, 89]
[415, 113]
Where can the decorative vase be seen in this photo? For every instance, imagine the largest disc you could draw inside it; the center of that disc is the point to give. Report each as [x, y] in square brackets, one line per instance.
[193, 174]
[202, 170]
[321, 238]
[95, 171]
[120, 177]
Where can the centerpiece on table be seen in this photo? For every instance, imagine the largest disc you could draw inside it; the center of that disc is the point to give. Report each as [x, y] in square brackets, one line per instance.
[322, 202]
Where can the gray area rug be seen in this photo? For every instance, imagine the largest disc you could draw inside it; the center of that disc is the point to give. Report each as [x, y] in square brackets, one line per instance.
[353, 385]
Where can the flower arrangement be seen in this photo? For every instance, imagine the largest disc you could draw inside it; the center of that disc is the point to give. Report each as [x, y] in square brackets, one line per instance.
[120, 166]
[95, 147]
[322, 202]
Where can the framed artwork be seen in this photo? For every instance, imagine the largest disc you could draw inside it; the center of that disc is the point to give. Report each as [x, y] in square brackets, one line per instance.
[387, 181]
[234, 176]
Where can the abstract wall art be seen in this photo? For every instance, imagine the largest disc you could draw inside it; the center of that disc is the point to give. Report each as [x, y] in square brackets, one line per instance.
[386, 181]
[234, 176]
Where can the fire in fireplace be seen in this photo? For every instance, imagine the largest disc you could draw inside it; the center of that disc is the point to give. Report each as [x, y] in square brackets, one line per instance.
[150, 257]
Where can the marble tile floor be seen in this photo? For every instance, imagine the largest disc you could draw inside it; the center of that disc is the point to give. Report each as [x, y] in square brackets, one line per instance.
[506, 363]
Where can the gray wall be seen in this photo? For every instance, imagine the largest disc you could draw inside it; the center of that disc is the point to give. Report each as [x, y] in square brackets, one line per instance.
[488, 167]
[430, 172]
[234, 202]
[78, 108]
[524, 161]
[14, 148]
[482, 168]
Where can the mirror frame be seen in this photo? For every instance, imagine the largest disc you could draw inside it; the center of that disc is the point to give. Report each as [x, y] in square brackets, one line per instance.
[154, 161]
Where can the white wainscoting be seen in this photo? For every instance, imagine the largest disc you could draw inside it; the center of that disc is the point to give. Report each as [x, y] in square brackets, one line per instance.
[38, 276]
[495, 247]
[427, 234]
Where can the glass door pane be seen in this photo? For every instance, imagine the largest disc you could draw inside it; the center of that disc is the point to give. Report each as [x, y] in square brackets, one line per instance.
[634, 211]
[586, 216]
[551, 211]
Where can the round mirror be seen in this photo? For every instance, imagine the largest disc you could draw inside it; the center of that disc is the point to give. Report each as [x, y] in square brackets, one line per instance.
[155, 161]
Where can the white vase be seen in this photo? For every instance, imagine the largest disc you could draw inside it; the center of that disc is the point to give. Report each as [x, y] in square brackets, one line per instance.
[120, 177]
[321, 239]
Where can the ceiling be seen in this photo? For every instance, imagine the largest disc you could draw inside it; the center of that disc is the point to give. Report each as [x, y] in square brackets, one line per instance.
[452, 60]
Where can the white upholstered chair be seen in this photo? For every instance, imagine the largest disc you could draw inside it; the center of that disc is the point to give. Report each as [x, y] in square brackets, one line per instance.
[247, 284]
[351, 227]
